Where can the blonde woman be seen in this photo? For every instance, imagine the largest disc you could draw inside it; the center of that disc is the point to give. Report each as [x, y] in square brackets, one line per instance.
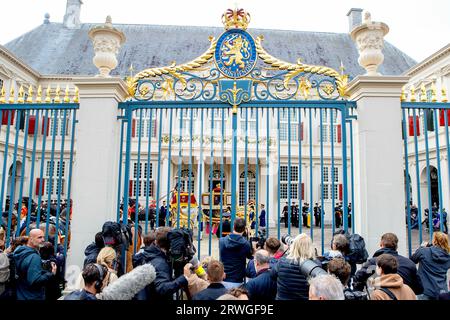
[434, 262]
[106, 257]
[292, 284]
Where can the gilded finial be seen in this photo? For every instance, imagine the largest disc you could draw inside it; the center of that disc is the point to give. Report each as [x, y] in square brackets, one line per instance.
[48, 92]
[39, 95]
[403, 97]
[66, 96]
[433, 93]
[76, 98]
[57, 93]
[30, 94]
[11, 95]
[20, 96]
[423, 93]
[3, 95]
[413, 94]
[444, 96]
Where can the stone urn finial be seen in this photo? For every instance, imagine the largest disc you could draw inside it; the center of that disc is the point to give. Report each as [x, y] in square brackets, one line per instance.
[369, 38]
[107, 41]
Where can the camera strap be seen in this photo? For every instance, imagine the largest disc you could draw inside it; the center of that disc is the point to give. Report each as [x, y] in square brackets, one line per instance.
[389, 293]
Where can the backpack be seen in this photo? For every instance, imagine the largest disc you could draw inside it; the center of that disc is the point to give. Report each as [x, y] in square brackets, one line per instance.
[357, 247]
[181, 247]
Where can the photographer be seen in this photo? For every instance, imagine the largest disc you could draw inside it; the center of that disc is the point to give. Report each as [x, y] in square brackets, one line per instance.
[341, 269]
[263, 287]
[292, 283]
[234, 249]
[164, 286]
[271, 245]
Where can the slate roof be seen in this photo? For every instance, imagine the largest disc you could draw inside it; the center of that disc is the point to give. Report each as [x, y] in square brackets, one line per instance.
[55, 50]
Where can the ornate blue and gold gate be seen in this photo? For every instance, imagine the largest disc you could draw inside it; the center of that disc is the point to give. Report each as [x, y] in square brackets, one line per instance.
[236, 101]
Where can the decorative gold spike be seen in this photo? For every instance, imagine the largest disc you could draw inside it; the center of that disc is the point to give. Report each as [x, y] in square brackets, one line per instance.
[3, 95]
[57, 93]
[76, 98]
[11, 95]
[433, 93]
[20, 96]
[403, 96]
[413, 94]
[423, 93]
[66, 97]
[39, 95]
[444, 96]
[48, 92]
[30, 94]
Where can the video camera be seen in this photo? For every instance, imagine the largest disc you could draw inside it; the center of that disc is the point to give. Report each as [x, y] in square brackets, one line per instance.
[260, 239]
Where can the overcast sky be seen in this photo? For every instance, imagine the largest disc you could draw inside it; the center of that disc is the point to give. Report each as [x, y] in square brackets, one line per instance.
[417, 27]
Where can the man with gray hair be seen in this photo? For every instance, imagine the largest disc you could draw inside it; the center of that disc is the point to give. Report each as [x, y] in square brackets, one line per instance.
[326, 287]
[263, 287]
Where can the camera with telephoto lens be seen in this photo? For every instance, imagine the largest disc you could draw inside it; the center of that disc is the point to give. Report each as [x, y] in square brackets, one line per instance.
[287, 239]
[260, 239]
[46, 265]
[311, 269]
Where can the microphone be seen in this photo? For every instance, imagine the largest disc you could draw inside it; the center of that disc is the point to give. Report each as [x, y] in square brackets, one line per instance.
[128, 285]
[197, 267]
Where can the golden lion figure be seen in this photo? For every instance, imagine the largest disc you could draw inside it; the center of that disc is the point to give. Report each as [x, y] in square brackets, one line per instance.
[234, 52]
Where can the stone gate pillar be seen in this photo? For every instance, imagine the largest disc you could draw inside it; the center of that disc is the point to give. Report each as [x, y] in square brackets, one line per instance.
[96, 166]
[379, 163]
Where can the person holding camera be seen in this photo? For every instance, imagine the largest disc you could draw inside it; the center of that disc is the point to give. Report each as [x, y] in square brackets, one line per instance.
[341, 269]
[406, 268]
[164, 286]
[234, 249]
[216, 275]
[434, 262]
[93, 276]
[32, 278]
[292, 283]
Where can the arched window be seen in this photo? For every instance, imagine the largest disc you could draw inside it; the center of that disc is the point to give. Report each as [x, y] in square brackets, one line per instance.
[251, 187]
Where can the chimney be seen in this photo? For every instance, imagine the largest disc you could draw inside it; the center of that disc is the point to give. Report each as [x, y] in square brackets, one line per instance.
[72, 16]
[354, 18]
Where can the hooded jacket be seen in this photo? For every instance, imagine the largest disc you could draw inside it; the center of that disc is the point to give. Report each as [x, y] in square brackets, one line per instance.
[393, 282]
[91, 253]
[234, 250]
[164, 286]
[433, 265]
[406, 269]
[31, 277]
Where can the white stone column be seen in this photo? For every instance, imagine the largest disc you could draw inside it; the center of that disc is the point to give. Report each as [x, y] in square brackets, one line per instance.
[445, 183]
[273, 196]
[96, 165]
[164, 179]
[379, 185]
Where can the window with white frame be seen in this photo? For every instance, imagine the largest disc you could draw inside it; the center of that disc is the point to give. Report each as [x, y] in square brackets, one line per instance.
[284, 124]
[58, 124]
[218, 113]
[148, 125]
[326, 125]
[185, 180]
[328, 184]
[251, 187]
[248, 115]
[186, 118]
[52, 177]
[139, 184]
[284, 182]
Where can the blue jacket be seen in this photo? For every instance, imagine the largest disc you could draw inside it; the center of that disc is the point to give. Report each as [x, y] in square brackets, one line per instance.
[250, 272]
[291, 283]
[213, 291]
[164, 286]
[263, 287]
[433, 265]
[91, 252]
[406, 269]
[262, 218]
[80, 295]
[233, 251]
[32, 278]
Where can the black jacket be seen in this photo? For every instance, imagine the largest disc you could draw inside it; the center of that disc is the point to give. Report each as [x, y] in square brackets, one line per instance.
[164, 286]
[291, 283]
[80, 295]
[233, 250]
[433, 265]
[263, 287]
[91, 252]
[213, 291]
[406, 269]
